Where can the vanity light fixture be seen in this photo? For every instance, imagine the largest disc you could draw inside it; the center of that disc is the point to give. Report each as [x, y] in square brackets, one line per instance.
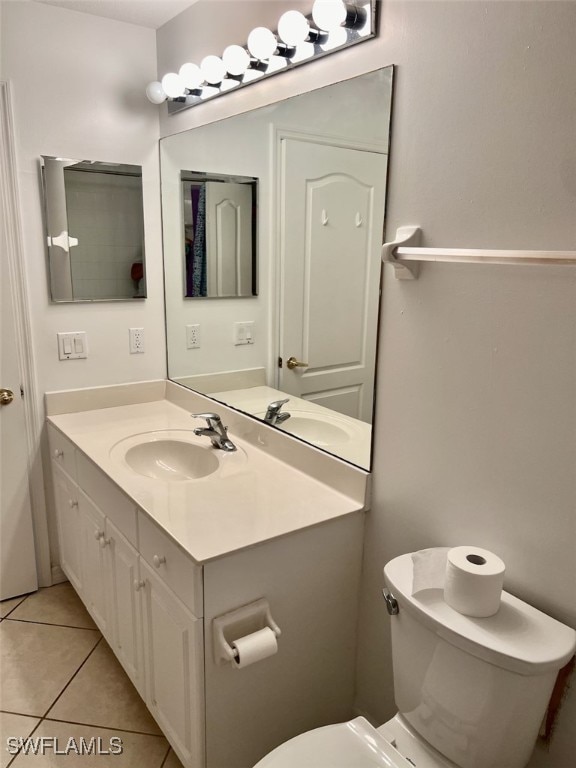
[330, 26]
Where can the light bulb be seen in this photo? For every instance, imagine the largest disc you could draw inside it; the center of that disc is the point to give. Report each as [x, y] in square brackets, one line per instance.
[236, 60]
[191, 75]
[213, 69]
[329, 14]
[173, 85]
[155, 92]
[293, 27]
[262, 43]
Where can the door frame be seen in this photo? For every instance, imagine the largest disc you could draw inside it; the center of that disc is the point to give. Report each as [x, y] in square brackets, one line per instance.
[15, 256]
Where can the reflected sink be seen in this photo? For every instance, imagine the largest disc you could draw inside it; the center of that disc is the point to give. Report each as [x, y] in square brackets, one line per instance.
[318, 430]
[167, 455]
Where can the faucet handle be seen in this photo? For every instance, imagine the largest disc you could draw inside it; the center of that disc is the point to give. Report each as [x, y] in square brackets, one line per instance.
[279, 403]
[210, 417]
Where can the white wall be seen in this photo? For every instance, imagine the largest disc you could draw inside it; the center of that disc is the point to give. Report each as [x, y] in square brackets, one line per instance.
[476, 415]
[77, 82]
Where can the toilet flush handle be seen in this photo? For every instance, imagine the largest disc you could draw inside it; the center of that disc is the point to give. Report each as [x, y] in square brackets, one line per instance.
[391, 602]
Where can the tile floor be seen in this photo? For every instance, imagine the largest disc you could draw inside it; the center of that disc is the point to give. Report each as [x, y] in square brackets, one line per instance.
[59, 679]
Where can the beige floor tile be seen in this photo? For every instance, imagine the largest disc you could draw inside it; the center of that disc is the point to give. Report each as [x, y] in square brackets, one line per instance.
[172, 761]
[55, 605]
[8, 605]
[37, 661]
[13, 726]
[138, 750]
[101, 694]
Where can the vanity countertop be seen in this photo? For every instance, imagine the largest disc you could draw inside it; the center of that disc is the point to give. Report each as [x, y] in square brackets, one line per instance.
[252, 498]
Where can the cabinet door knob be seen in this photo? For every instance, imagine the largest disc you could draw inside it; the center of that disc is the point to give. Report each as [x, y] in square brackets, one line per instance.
[98, 535]
[138, 585]
[104, 541]
[158, 561]
[73, 503]
[58, 454]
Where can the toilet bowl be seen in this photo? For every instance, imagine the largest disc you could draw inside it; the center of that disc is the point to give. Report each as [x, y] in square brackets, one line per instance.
[470, 692]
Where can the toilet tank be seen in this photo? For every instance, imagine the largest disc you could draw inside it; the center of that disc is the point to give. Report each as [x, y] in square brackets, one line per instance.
[476, 689]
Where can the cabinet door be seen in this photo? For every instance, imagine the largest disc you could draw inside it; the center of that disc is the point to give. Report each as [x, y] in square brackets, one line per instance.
[93, 543]
[124, 604]
[68, 514]
[173, 642]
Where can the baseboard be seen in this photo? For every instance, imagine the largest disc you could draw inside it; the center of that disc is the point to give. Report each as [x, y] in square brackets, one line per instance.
[58, 575]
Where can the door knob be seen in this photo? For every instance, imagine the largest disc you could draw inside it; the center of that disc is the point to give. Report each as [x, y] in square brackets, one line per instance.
[6, 396]
[292, 363]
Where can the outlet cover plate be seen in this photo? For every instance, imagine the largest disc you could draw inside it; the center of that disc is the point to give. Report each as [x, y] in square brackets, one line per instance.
[136, 341]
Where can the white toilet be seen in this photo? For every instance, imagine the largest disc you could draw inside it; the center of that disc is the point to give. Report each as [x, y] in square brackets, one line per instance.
[471, 693]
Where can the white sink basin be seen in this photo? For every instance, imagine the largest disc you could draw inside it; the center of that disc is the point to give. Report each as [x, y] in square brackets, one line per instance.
[171, 460]
[318, 430]
[170, 456]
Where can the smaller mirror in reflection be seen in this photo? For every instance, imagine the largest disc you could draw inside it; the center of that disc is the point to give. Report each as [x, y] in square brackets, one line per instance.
[219, 218]
[95, 230]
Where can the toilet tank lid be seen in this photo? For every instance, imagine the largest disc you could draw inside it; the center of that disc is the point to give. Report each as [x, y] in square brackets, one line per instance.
[519, 638]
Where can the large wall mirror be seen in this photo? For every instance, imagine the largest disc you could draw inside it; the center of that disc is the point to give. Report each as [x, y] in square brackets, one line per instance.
[309, 335]
[94, 230]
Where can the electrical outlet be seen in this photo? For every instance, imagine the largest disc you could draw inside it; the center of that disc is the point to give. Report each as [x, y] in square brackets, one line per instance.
[193, 336]
[136, 341]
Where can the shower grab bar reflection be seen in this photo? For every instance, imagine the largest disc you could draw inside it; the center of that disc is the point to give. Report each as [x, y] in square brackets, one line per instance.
[405, 255]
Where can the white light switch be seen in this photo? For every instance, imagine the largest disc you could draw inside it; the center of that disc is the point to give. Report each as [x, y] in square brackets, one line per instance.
[72, 345]
[244, 333]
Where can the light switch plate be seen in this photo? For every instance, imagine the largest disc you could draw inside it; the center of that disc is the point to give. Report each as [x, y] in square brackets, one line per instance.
[244, 333]
[72, 345]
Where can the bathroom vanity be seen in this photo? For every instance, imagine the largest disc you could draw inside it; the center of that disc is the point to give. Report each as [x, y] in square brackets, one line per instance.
[156, 560]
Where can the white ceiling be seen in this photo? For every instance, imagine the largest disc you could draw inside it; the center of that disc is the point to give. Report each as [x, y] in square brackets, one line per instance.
[146, 13]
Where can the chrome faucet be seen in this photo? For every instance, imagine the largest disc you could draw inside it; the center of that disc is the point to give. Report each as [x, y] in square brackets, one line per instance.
[273, 415]
[215, 430]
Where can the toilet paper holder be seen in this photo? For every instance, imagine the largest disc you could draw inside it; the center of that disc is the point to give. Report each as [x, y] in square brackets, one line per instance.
[238, 623]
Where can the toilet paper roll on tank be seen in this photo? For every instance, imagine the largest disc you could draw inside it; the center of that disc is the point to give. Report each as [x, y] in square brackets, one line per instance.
[472, 578]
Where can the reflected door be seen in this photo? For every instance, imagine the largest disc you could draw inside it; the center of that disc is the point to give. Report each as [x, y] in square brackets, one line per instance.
[229, 239]
[331, 236]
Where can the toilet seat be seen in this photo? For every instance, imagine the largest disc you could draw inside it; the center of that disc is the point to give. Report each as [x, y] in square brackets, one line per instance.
[355, 744]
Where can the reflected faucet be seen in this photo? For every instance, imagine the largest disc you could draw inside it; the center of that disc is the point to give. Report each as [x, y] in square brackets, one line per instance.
[273, 415]
[215, 430]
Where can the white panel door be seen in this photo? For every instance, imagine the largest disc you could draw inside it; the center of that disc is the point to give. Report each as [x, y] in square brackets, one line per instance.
[332, 214]
[17, 554]
[228, 239]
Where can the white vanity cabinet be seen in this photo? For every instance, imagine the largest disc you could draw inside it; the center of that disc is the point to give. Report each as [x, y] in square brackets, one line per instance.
[156, 607]
[174, 652]
[124, 605]
[69, 532]
[145, 616]
[92, 525]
